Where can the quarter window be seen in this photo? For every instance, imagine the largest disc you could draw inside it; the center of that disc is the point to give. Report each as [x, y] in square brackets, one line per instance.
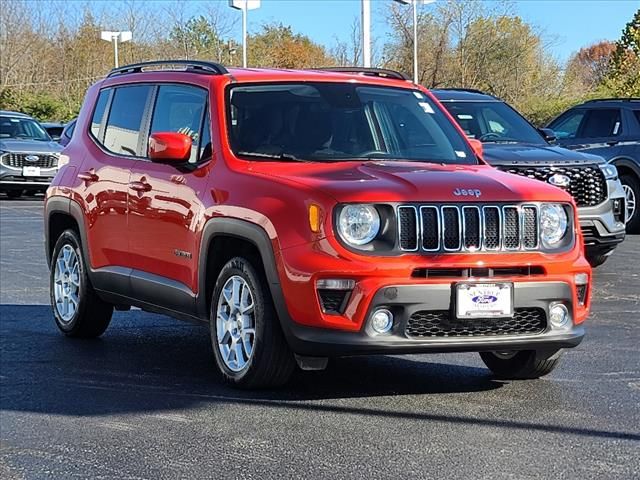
[122, 135]
[179, 108]
[98, 113]
[603, 122]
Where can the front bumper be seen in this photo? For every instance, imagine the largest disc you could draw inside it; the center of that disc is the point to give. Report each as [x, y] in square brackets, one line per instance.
[12, 179]
[601, 230]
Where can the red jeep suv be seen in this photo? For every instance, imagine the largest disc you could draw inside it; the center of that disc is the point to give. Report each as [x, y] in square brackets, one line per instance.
[306, 215]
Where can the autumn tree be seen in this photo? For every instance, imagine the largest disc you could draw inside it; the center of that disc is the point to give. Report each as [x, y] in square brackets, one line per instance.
[623, 78]
[590, 65]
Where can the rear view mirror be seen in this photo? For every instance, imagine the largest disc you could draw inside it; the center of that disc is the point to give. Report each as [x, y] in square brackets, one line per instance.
[548, 134]
[476, 145]
[169, 147]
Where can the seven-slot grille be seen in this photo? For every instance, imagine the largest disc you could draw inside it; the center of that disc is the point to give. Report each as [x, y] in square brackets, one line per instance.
[19, 160]
[471, 228]
[588, 185]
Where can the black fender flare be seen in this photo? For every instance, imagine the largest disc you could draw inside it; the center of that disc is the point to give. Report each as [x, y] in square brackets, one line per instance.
[72, 209]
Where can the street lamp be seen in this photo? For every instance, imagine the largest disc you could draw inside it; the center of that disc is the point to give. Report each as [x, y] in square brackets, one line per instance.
[244, 5]
[366, 33]
[115, 37]
[414, 3]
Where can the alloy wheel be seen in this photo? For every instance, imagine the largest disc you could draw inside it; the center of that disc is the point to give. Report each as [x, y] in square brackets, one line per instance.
[67, 283]
[235, 323]
[630, 202]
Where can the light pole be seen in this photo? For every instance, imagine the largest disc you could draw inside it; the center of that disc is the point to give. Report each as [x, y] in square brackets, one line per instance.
[414, 4]
[366, 33]
[244, 6]
[115, 37]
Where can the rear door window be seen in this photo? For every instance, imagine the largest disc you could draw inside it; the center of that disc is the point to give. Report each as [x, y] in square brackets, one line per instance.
[122, 135]
[602, 123]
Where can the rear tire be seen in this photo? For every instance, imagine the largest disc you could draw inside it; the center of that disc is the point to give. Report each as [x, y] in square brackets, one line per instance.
[526, 364]
[13, 194]
[77, 309]
[631, 183]
[249, 346]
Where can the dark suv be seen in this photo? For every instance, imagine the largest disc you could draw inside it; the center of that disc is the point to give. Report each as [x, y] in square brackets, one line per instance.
[609, 128]
[28, 155]
[513, 145]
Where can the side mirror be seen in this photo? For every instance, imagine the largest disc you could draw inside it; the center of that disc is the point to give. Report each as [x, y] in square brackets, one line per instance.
[169, 147]
[476, 145]
[548, 134]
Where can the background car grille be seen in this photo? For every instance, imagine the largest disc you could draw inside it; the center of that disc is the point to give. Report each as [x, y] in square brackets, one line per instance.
[471, 228]
[588, 185]
[18, 160]
[440, 323]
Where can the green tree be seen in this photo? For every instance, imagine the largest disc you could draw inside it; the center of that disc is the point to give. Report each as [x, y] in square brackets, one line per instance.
[623, 78]
[197, 39]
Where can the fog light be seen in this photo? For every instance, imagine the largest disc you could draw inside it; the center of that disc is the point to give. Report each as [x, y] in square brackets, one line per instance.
[581, 278]
[558, 315]
[382, 320]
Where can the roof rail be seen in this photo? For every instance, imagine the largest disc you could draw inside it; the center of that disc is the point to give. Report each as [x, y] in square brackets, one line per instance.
[371, 72]
[470, 90]
[193, 66]
[627, 99]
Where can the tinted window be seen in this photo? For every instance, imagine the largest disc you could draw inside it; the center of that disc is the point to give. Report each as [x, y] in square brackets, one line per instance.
[179, 108]
[205, 139]
[122, 134]
[493, 122]
[341, 121]
[567, 125]
[603, 122]
[637, 114]
[98, 113]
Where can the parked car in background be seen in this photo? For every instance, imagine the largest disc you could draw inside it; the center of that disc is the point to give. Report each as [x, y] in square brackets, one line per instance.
[28, 155]
[54, 129]
[513, 145]
[304, 215]
[67, 133]
[610, 128]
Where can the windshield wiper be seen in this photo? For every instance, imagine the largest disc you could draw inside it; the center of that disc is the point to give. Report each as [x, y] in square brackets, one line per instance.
[287, 157]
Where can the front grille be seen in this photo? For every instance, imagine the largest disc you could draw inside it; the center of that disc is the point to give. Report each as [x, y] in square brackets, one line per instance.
[19, 160]
[478, 272]
[333, 301]
[440, 323]
[587, 183]
[471, 228]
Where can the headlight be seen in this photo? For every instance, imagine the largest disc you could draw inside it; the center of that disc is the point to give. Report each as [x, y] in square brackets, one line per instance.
[358, 224]
[610, 171]
[553, 224]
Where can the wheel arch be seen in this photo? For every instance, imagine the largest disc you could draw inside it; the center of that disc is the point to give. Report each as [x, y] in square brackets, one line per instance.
[60, 214]
[626, 164]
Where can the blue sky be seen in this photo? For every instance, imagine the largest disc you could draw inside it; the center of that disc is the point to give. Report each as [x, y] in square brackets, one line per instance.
[571, 23]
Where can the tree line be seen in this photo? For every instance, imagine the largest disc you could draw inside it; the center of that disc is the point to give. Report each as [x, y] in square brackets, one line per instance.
[49, 56]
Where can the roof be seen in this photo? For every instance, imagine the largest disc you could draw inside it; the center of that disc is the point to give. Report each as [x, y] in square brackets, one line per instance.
[283, 75]
[611, 102]
[462, 94]
[9, 113]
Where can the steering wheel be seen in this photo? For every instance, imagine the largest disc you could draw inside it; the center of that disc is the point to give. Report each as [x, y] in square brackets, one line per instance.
[489, 135]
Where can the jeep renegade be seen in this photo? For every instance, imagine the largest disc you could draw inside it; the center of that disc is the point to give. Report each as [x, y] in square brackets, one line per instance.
[306, 215]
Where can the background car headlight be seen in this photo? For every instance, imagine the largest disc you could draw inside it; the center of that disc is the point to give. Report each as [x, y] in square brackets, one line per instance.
[553, 224]
[358, 224]
[610, 171]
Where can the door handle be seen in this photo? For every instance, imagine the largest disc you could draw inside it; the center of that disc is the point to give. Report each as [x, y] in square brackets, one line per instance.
[88, 176]
[140, 186]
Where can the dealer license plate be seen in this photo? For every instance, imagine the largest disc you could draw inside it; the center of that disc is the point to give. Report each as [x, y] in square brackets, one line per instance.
[30, 171]
[484, 300]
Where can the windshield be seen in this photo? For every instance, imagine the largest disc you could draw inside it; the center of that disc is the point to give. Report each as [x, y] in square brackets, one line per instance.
[341, 121]
[22, 128]
[493, 122]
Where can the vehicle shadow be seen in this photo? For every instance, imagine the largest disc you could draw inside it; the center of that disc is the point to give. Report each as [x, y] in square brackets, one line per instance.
[148, 363]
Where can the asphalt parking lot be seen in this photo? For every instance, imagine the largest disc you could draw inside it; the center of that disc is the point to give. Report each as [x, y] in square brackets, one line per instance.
[144, 401]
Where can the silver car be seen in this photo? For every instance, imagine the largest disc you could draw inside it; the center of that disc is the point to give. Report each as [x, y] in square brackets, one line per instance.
[28, 155]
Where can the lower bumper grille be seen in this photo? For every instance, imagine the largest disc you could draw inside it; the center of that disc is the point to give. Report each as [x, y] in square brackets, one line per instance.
[525, 321]
[333, 301]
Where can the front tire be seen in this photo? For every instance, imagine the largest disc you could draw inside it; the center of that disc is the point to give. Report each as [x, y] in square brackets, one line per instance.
[249, 346]
[77, 309]
[526, 364]
[597, 259]
[631, 186]
[14, 194]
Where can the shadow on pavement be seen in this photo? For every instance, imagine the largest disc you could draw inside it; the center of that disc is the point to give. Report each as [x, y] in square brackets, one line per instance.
[147, 363]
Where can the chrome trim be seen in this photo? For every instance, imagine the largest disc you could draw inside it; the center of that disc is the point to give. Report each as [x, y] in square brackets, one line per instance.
[438, 229]
[418, 228]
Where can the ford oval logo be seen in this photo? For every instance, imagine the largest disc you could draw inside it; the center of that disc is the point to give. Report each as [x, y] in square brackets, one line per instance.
[32, 158]
[484, 299]
[559, 180]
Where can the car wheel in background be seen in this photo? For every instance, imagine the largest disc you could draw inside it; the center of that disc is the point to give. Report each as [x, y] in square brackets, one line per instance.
[77, 309]
[631, 186]
[14, 193]
[526, 364]
[248, 343]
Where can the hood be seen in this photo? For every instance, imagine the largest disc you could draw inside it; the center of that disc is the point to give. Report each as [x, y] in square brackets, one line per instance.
[412, 182]
[29, 146]
[528, 154]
